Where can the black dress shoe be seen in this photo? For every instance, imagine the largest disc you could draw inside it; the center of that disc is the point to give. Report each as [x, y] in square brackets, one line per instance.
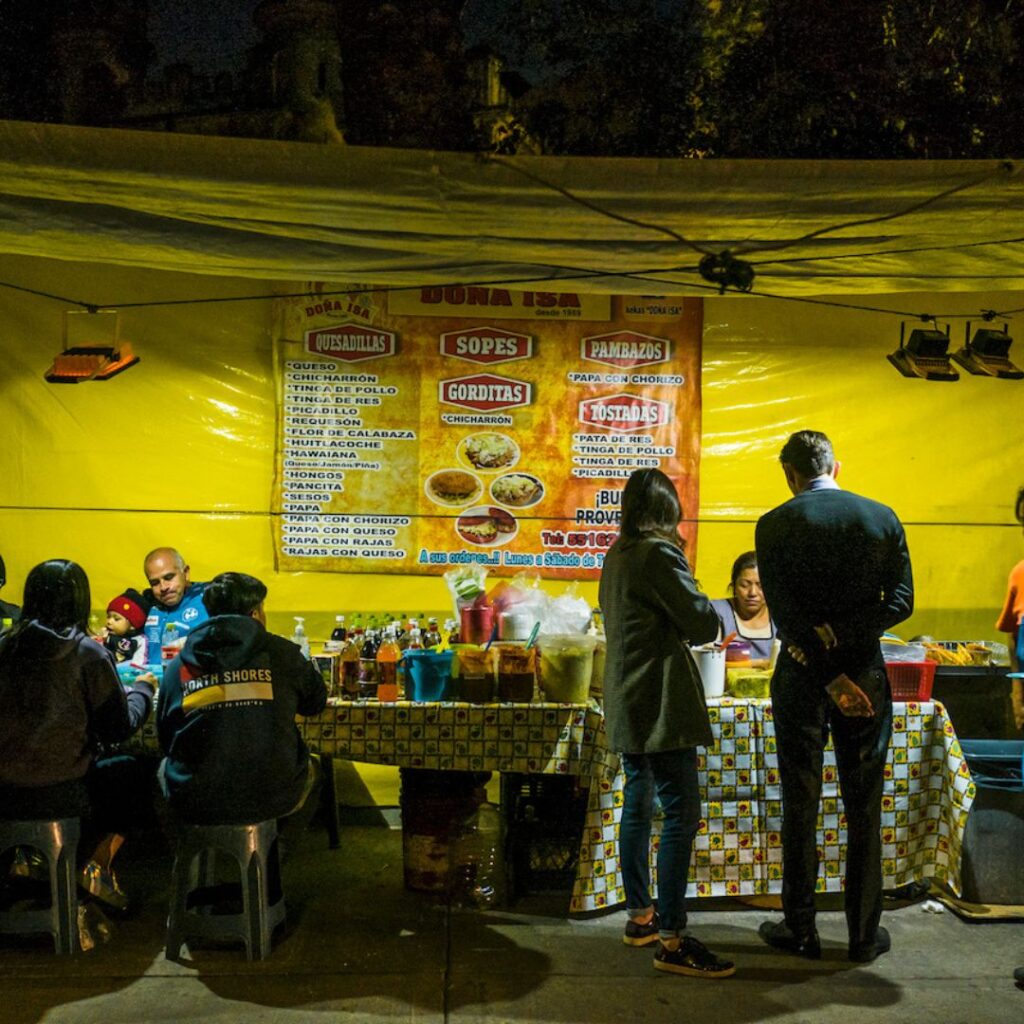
[865, 952]
[779, 935]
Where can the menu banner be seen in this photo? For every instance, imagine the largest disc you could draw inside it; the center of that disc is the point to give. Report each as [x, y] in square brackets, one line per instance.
[418, 433]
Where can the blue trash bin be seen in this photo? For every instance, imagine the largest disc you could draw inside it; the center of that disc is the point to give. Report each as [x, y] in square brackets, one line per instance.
[992, 869]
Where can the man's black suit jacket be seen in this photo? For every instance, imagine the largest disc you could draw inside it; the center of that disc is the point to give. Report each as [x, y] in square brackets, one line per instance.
[829, 556]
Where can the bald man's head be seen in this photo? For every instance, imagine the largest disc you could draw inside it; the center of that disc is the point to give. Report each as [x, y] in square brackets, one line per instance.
[167, 574]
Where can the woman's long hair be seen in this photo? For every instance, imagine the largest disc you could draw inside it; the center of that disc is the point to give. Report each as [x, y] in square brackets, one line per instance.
[56, 595]
[650, 507]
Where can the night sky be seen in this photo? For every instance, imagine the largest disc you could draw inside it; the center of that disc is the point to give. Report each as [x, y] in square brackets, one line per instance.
[214, 35]
[211, 35]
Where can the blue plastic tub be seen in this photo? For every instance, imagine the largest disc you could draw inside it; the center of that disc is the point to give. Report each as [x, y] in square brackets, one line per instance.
[428, 674]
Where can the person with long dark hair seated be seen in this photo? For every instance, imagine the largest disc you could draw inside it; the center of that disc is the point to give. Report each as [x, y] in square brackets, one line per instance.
[60, 702]
[655, 714]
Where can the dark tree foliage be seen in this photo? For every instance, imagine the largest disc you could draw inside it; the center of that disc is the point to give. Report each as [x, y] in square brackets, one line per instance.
[31, 58]
[872, 78]
[610, 76]
[404, 75]
[770, 78]
[672, 78]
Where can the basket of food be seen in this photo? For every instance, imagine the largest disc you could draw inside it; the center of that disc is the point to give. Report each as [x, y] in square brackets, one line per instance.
[965, 652]
[911, 680]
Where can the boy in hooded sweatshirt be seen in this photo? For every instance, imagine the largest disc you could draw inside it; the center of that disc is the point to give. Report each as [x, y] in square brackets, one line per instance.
[226, 715]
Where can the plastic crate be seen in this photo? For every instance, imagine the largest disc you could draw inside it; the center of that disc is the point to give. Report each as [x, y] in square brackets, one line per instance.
[911, 680]
[543, 826]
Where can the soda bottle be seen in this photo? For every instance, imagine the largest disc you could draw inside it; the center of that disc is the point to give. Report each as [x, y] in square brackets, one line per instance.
[388, 655]
[350, 664]
[400, 635]
[368, 667]
[151, 631]
[169, 642]
[338, 635]
[432, 637]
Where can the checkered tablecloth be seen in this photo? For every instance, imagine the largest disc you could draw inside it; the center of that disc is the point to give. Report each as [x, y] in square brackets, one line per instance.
[928, 792]
[551, 739]
[738, 852]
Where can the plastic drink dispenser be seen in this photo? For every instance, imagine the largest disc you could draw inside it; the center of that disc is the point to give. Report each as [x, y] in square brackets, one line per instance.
[517, 673]
[566, 667]
[475, 674]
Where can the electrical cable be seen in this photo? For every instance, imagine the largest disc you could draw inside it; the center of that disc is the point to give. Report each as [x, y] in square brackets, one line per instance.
[725, 273]
[270, 514]
[596, 207]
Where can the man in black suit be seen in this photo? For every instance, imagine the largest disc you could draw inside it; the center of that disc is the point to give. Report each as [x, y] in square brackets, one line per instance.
[836, 574]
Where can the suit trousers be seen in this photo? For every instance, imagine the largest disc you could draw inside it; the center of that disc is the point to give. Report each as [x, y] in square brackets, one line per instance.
[804, 714]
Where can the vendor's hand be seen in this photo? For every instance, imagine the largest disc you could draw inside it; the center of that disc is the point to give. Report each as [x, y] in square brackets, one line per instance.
[826, 636]
[851, 700]
[797, 654]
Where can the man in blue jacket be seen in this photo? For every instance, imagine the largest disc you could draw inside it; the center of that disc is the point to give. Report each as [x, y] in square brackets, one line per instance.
[226, 714]
[836, 574]
[172, 597]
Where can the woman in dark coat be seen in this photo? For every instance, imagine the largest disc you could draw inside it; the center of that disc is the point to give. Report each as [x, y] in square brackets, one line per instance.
[60, 701]
[655, 714]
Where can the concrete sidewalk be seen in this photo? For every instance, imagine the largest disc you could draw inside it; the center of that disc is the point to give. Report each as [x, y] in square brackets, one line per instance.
[357, 946]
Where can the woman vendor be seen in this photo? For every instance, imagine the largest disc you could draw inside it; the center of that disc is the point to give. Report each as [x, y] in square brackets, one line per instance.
[746, 613]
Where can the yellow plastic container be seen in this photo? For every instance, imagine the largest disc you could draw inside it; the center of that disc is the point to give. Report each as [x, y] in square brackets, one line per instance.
[566, 667]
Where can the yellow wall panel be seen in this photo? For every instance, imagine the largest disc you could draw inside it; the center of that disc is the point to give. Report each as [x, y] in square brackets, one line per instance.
[179, 449]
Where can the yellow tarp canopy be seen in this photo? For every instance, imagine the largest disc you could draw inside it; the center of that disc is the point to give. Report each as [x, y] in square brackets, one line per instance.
[302, 212]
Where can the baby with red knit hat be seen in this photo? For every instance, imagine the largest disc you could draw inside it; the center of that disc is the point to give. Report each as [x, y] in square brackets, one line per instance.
[126, 615]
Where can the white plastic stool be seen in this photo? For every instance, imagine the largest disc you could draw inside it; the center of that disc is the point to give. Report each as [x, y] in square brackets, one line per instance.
[254, 849]
[57, 841]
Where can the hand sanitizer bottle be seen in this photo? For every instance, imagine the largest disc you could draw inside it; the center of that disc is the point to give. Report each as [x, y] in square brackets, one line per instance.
[299, 636]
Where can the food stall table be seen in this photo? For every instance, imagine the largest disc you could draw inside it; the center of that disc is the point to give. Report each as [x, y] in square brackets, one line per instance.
[738, 851]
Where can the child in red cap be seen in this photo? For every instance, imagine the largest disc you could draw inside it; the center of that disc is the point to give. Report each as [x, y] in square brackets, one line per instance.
[126, 615]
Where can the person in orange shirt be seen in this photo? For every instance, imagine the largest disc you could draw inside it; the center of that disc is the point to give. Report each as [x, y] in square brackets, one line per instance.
[1010, 621]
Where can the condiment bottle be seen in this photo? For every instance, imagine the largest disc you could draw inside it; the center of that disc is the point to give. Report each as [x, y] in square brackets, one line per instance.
[338, 635]
[368, 666]
[433, 635]
[350, 664]
[388, 655]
